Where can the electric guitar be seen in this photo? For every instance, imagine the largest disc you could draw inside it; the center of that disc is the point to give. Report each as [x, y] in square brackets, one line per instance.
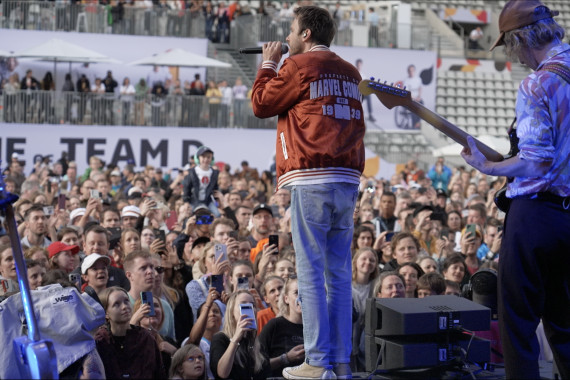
[392, 96]
[35, 357]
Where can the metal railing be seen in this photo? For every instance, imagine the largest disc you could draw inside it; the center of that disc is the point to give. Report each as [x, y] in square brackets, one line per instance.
[95, 18]
[157, 21]
[50, 107]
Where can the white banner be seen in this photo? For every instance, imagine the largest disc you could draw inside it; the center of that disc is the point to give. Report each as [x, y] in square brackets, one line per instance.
[393, 66]
[161, 146]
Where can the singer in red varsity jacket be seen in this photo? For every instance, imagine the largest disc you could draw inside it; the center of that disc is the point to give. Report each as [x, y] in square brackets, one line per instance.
[320, 157]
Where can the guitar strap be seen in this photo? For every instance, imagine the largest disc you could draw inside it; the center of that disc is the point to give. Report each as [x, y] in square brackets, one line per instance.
[559, 69]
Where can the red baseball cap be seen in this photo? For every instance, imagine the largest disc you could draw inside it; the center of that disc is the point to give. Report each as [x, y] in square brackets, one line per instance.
[57, 247]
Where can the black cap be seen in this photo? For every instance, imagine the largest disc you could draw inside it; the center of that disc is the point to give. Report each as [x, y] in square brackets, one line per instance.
[134, 195]
[200, 240]
[261, 207]
[203, 149]
[441, 193]
[422, 208]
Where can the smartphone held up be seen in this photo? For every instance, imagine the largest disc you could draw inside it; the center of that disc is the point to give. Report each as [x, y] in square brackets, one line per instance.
[221, 250]
[247, 309]
[146, 298]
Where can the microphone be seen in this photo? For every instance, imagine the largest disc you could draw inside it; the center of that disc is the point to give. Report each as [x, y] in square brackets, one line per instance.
[259, 50]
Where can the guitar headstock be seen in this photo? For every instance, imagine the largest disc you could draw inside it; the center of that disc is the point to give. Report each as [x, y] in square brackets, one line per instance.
[390, 95]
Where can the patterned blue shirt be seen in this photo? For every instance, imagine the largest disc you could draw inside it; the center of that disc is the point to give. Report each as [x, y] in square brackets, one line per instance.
[543, 127]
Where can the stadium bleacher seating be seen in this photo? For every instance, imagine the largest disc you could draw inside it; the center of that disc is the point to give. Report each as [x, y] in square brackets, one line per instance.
[482, 102]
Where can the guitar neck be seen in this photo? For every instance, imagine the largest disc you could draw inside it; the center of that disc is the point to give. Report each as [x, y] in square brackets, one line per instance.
[455, 133]
[392, 96]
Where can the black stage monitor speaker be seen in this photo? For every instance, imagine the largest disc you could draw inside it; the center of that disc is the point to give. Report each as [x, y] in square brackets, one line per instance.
[430, 315]
[410, 353]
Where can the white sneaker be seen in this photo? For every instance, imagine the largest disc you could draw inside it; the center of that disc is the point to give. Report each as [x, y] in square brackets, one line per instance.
[307, 371]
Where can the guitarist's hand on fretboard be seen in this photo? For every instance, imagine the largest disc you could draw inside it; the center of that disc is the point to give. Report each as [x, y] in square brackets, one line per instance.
[473, 156]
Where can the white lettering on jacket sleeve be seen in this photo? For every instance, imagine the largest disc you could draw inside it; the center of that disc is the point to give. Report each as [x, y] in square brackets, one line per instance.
[283, 145]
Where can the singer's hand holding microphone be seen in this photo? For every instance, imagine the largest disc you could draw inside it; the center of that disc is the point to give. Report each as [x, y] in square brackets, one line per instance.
[259, 50]
[273, 51]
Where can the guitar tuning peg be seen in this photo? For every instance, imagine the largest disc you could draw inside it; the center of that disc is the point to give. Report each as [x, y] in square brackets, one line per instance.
[392, 84]
[372, 79]
[404, 88]
[385, 81]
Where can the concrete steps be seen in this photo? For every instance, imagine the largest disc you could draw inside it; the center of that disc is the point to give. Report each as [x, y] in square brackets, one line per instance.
[240, 67]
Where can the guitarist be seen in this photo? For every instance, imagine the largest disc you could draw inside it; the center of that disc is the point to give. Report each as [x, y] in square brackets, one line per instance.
[534, 280]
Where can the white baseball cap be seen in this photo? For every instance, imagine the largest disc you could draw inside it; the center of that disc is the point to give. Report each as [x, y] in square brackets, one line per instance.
[80, 211]
[131, 211]
[90, 260]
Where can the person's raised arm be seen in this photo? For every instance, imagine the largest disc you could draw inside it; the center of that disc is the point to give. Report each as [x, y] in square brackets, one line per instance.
[90, 209]
[200, 326]
[271, 94]
[226, 362]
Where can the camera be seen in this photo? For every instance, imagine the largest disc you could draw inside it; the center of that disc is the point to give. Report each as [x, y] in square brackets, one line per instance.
[247, 309]
[243, 283]
[221, 250]
[471, 230]
[204, 219]
[61, 199]
[75, 279]
[217, 281]
[274, 240]
[160, 235]
[95, 194]
[146, 297]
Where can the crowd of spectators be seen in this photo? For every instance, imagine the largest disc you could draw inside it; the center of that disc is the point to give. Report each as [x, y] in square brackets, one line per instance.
[171, 15]
[198, 239]
[149, 17]
[159, 99]
[104, 101]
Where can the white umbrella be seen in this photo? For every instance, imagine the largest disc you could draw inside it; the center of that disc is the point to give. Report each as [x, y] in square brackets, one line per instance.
[56, 50]
[499, 144]
[181, 58]
[62, 51]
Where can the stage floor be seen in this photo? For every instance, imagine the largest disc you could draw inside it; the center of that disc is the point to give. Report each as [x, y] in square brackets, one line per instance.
[497, 373]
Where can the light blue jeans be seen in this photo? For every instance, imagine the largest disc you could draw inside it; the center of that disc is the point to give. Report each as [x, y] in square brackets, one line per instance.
[322, 227]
